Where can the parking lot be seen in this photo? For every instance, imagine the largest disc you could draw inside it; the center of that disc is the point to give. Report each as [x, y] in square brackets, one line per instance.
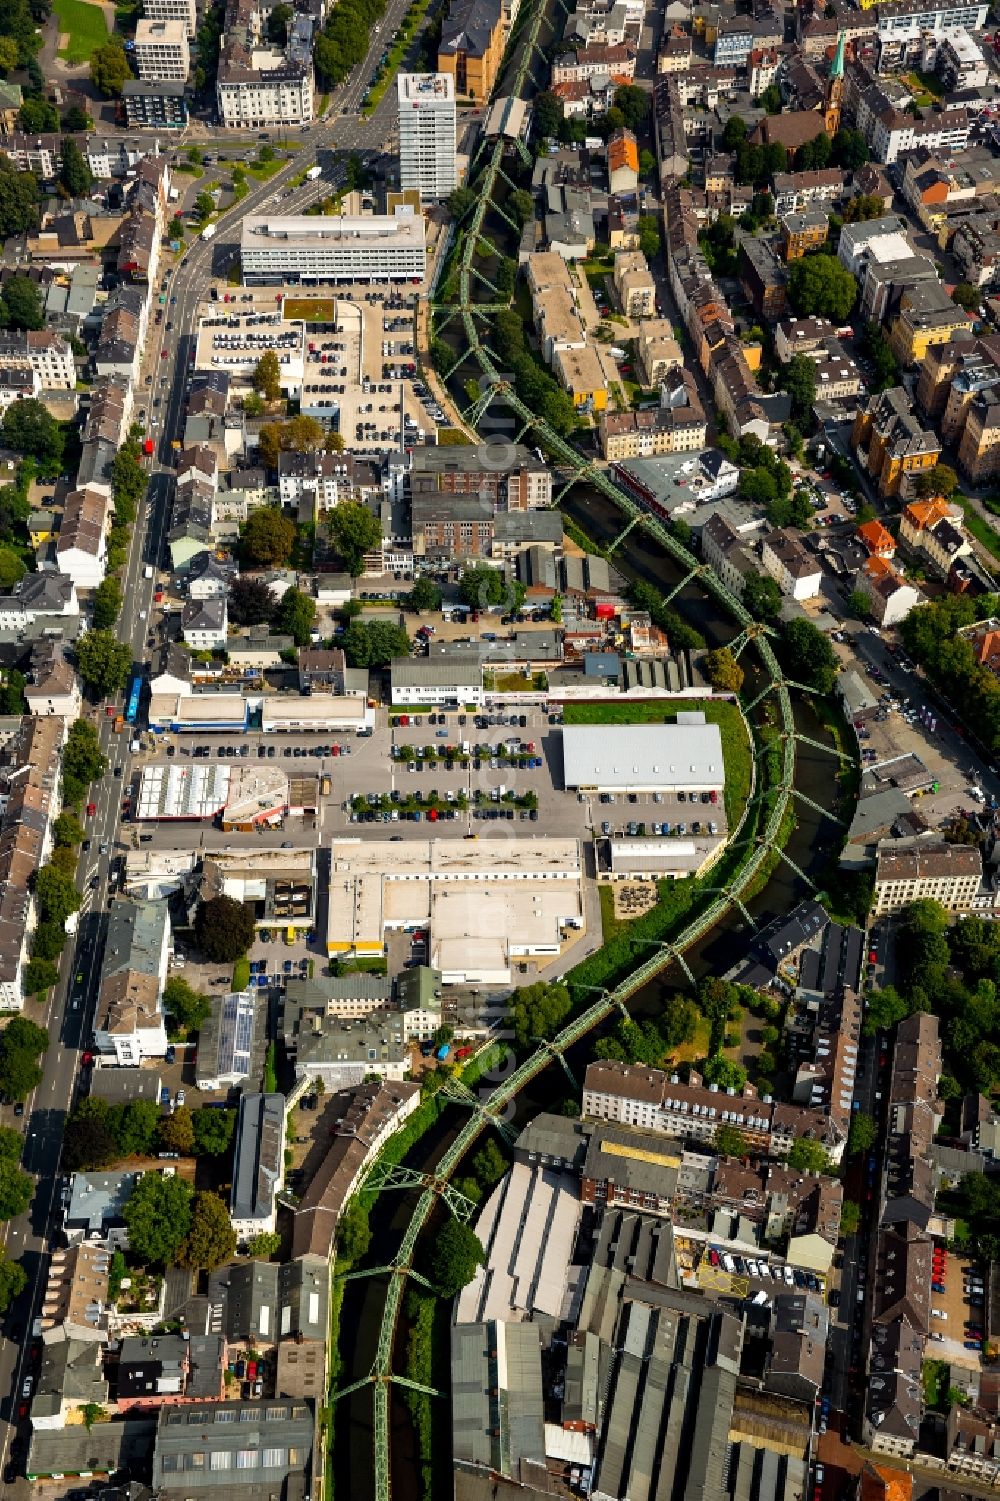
[957, 1324]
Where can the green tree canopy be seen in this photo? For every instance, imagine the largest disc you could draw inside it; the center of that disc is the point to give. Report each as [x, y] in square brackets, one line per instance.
[29, 428]
[83, 761]
[109, 68]
[250, 601]
[455, 1256]
[538, 1010]
[808, 656]
[103, 661]
[966, 295]
[188, 1007]
[941, 480]
[353, 1233]
[799, 379]
[265, 1244]
[373, 643]
[762, 596]
[213, 1131]
[223, 929]
[21, 304]
[211, 1239]
[107, 604]
[809, 1156]
[730, 1141]
[819, 286]
[425, 594]
[354, 531]
[176, 1132]
[724, 1072]
[850, 1217]
[296, 615]
[723, 671]
[19, 199]
[158, 1218]
[861, 1136]
[266, 377]
[267, 537]
[74, 174]
[16, 1190]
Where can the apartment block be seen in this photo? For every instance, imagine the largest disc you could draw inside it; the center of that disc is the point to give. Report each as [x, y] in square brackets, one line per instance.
[155, 106]
[947, 873]
[303, 249]
[634, 285]
[802, 231]
[890, 441]
[796, 571]
[926, 316]
[936, 530]
[471, 46]
[162, 54]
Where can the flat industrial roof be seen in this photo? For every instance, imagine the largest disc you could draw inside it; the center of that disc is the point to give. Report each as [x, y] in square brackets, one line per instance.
[643, 755]
[182, 791]
[318, 710]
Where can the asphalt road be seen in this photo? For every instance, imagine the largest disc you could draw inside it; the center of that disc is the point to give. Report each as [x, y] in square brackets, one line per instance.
[70, 1010]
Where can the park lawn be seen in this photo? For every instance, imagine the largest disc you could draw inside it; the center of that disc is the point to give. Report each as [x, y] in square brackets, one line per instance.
[85, 26]
[241, 974]
[310, 309]
[736, 748]
[925, 83]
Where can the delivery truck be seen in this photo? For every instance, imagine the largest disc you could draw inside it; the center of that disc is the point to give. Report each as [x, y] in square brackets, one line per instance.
[313, 173]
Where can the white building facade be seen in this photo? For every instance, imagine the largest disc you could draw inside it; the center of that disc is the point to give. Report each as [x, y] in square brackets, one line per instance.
[427, 157]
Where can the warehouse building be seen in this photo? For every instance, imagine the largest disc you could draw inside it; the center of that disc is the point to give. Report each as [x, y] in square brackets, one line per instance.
[685, 756]
[199, 713]
[487, 903]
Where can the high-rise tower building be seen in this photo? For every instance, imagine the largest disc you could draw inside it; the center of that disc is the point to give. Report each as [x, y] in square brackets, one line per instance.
[427, 133]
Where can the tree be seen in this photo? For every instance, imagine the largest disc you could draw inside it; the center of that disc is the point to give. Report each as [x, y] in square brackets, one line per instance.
[204, 205]
[89, 1140]
[266, 378]
[224, 929]
[724, 1072]
[735, 133]
[762, 596]
[39, 975]
[213, 1131]
[16, 1190]
[799, 379]
[13, 1281]
[488, 1165]
[277, 24]
[723, 671]
[941, 480]
[808, 656]
[158, 1218]
[109, 68]
[373, 643]
[967, 296]
[354, 531]
[19, 198]
[297, 615]
[266, 1243]
[425, 594]
[107, 604]
[8, 54]
[649, 236]
[176, 1132]
[103, 662]
[211, 1240]
[819, 286]
[548, 114]
[353, 1233]
[56, 894]
[250, 601]
[74, 174]
[481, 587]
[83, 761]
[461, 201]
[267, 537]
[883, 1010]
[521, 205]
[455, 1255]
[771, 99]
[135, 1126]
[859, 604]
[38, 115]
[809, 1156]
[730, 1141]
[861, 1136]
[21, 304]
[11, 1144]
[538, 1010]
[253, 404]
[29, 428]
[76, 119]
[850, 1217]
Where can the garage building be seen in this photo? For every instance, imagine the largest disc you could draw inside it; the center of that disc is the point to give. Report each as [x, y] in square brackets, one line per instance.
[685, 756]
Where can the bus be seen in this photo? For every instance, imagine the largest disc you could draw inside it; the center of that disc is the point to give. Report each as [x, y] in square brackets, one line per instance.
[132, 712]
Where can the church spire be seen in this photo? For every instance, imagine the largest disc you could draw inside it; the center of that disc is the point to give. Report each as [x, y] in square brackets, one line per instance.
[837, 66]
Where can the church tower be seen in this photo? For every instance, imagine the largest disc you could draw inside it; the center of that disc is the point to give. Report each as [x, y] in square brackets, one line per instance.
[835, 89]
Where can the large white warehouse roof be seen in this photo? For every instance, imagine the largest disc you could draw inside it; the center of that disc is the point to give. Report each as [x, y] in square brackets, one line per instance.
[643, 757]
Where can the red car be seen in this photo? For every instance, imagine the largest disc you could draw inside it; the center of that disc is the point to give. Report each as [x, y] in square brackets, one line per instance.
[163, 354]
[87, 1058]
[91, 809]
[251, 1370]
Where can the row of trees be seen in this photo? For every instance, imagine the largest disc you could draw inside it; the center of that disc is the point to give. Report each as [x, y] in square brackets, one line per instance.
[344, 40]
[930, 635]
[99, 1135]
